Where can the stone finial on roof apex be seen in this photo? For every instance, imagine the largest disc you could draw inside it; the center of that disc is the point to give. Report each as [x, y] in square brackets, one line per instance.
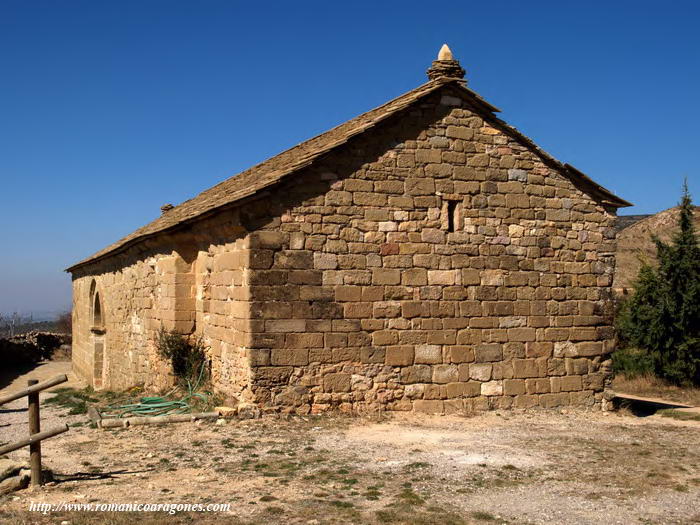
[445, 66]
[445, 53]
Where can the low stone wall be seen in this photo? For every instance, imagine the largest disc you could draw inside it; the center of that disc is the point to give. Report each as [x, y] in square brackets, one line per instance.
[30, 348]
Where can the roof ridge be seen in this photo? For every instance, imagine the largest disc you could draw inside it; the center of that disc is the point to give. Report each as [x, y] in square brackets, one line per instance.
[266, 173]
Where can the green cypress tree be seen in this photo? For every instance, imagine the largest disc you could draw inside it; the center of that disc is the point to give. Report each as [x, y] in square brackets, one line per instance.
[663, 314]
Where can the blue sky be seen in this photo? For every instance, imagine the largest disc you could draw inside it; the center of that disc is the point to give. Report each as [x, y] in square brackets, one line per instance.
[110, 109]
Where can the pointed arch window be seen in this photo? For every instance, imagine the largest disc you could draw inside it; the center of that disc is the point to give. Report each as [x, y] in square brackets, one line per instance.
[96, 310]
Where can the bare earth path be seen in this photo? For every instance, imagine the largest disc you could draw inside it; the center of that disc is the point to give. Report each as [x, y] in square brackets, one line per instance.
[13, 415]
[564, 467]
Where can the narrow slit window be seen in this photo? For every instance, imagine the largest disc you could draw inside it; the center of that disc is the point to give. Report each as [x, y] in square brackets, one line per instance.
[451, 215]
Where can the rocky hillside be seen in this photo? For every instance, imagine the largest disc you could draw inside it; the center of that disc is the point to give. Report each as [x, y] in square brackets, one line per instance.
[634, 242]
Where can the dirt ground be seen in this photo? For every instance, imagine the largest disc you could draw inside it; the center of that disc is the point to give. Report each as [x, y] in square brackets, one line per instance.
[561, 467]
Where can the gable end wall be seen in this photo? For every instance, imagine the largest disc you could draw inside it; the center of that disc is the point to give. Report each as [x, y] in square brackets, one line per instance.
[361, 298]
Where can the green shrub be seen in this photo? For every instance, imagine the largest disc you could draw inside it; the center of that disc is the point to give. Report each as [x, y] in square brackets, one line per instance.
[186, 355]
[632, 362]
[662, 316]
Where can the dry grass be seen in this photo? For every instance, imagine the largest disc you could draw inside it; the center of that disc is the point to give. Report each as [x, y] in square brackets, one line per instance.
[515, 467]
[651, 386]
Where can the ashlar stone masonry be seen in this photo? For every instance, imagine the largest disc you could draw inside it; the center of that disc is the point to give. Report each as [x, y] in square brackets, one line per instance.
[424, 256]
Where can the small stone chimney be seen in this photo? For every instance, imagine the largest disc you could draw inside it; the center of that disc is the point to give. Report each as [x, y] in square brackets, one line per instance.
[165, 208]
[445, 66]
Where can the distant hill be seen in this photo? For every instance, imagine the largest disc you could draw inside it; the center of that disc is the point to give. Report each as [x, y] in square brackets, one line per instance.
[634, 242]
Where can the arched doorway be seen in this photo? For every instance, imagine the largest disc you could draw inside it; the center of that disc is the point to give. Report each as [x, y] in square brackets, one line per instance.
[98, 334]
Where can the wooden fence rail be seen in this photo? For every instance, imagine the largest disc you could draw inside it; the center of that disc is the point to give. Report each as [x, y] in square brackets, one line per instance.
[34, 386]
[36, 436]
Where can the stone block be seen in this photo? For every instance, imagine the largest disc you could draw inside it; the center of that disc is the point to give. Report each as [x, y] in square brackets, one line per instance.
[539, 349]
[414, 277]
[386, 276]
[269, 239]
[325, 261]
[290, 356]
[480, 372]
[389, 186]
[303, 340]
[272, 374]
[460, 132]
[445, 374]
[471, 277]
[540, 385]
[372, 355]
[478, 160]
[460, 354]
[594, 381]
[521, 334]
[420, 186]
[526, 401]
[554, 400]
[385, 337]
[429, 406]
[492, 388]
[336, 382]
[513, 387]
[399, 355]
[589, 349]
[454, 406]
[348, 293]
[442, 277]
[486, 353]
[463, 389]
[417, 374]
[285, 325]
[570, 383]
[259, 356]
[428, 354]
[523, 368]
[583, 398]
[556, 367]
[299, 259]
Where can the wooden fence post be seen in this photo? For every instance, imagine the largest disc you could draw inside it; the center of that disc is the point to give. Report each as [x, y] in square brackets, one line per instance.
[34, 428]
[35, 435]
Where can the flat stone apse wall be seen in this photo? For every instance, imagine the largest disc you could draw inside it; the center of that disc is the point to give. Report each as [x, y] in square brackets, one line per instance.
[436, 265]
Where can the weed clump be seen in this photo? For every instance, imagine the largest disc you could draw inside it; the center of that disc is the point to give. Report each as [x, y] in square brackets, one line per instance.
[186, 355]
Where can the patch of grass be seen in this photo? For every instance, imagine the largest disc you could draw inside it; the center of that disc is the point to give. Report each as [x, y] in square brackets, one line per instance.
[372, 494]
[677, 414]
[435, 516]
[409, 497]
[342, 504]
[416, 465]
[75, 400]
[482, 516]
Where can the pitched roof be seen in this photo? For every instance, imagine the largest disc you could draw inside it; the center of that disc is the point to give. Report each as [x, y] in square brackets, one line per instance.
[269, 172]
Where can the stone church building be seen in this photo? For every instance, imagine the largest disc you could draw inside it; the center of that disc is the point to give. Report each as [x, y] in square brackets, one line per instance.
[423, 256]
